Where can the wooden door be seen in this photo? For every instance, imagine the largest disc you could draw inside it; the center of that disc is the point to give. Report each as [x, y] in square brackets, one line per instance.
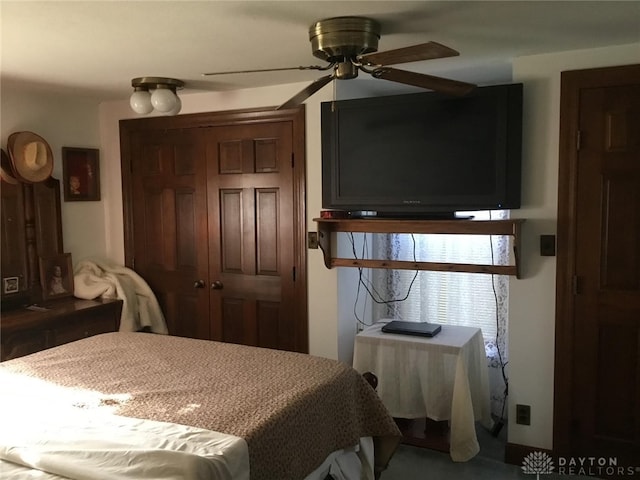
[169, 210]
[251, 234]
[217, 200]
[598, 334]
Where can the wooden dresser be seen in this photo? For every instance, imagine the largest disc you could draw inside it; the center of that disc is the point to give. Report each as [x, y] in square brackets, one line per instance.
[25, 331]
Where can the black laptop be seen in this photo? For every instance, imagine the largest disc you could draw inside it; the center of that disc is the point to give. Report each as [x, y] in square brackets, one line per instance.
[422, 329]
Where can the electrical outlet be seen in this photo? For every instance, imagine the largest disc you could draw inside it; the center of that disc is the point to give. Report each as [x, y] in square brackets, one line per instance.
[523, 414]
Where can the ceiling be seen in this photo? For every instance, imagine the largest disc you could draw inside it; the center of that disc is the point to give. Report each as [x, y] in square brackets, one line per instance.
[95, 48]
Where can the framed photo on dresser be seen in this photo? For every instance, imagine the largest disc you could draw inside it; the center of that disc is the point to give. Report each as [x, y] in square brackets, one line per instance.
[56, 276]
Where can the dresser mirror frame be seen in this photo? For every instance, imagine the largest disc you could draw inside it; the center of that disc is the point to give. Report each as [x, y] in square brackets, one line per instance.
[31, 219]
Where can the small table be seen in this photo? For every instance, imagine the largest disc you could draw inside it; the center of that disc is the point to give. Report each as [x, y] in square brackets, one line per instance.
[441, 378]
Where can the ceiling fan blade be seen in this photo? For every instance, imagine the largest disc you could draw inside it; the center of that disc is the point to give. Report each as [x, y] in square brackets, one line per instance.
[309, 67]
[439, 84]
[414, 53]
[309, 90]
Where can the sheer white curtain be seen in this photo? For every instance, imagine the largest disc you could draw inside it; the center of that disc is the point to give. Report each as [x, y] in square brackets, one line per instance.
[450, 298]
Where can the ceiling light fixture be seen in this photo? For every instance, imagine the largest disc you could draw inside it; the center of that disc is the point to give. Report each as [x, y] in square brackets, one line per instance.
[155, 92]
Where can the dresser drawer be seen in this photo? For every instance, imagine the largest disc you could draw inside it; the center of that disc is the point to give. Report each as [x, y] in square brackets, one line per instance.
[83, 327]
[25, 331]
[23, 343]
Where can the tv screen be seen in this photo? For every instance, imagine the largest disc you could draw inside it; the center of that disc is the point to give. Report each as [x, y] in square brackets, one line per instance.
[425, 153]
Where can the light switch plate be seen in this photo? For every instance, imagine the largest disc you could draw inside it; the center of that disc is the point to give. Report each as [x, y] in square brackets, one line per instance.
[312, 240]
[548, 245]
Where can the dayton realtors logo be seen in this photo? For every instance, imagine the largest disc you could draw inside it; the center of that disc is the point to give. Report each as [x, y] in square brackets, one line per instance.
[541, 463]
[537, 462]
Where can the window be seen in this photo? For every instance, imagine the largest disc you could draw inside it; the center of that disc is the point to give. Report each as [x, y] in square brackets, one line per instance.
[449, 298]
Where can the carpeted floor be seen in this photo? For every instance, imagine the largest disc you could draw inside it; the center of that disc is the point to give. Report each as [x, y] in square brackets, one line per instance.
[414, 463]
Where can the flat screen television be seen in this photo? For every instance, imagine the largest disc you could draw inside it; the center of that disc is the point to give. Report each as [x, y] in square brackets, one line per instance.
[423, 154]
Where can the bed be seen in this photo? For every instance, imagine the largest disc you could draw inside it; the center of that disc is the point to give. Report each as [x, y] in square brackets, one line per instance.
[139, 405]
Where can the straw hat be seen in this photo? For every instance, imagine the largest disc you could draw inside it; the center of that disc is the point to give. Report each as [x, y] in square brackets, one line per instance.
[6, 170]
[31, 156]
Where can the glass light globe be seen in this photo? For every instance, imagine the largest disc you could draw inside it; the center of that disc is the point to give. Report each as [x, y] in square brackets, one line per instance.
[177, 108]
[163, 99]
[140, 102]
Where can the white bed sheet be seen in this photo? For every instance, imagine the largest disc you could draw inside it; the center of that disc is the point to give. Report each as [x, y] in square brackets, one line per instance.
[86, 445]
[354, 463]
[70, 433]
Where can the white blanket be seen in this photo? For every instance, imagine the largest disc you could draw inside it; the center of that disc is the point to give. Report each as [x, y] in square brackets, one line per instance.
[99, 278]
[86, 446]
[73, 433]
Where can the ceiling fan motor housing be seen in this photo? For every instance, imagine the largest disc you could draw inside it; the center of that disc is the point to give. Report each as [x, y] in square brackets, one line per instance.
[342, 39]
[350, 44]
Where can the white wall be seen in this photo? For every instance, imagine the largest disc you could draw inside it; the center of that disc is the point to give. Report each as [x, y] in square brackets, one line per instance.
[532, 298]
[69, 122]
[354, 303]
[322, 282]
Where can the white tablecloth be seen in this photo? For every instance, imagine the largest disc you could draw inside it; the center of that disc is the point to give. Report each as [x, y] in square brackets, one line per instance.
[443, 378]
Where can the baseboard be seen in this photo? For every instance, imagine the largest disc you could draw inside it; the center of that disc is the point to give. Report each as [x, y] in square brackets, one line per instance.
[514, 453]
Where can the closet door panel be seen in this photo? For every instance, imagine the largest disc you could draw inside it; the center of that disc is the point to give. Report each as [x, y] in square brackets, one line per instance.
[252, 256]
[215, 222]
[170, 222]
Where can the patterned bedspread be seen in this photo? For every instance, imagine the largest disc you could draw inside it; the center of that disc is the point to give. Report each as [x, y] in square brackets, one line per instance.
[292, 409]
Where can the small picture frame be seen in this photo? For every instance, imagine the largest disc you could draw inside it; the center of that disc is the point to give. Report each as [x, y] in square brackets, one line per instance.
[56, 276]
[10, 285]
[81, 174]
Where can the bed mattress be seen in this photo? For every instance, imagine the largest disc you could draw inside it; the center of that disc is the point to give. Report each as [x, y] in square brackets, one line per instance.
[291, 409]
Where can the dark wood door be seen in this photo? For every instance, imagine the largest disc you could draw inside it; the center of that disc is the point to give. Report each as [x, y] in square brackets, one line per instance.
[215, 222]
[251, 234]
[598, 347]
[169, 209]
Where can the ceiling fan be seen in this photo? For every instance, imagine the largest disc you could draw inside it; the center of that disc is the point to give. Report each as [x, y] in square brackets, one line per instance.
[350, 44]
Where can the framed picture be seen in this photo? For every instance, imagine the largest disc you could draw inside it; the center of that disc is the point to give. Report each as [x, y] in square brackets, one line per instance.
[80, 174]
[56, 276]
[11, 284]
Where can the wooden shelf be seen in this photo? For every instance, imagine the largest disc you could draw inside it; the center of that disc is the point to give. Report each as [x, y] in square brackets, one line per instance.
[466, 227]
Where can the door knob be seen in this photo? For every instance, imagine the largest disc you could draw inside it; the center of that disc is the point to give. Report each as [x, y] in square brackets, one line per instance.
[217, 285]
[199, 284]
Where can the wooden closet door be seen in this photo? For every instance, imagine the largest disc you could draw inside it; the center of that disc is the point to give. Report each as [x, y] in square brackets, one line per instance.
[597, 369]
[217, 199]
[251, 232]
[606, 418]
[168, 188]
